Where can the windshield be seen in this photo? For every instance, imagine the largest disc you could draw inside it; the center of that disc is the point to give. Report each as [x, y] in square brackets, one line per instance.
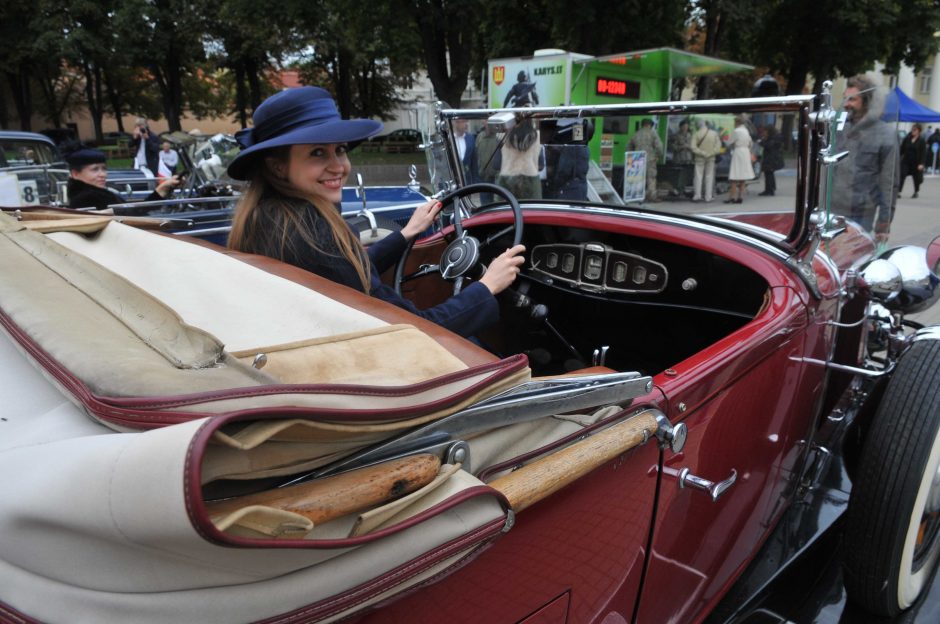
[205, 157]
[211, 155]
[733, 160]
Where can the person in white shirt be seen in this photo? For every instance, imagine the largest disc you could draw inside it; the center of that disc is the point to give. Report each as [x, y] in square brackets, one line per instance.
[168, 160]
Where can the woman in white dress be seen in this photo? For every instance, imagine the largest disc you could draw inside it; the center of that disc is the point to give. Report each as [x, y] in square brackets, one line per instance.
[741, 168]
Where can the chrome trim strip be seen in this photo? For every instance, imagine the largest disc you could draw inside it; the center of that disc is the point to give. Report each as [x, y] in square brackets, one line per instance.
[789, 102]
[782, 254]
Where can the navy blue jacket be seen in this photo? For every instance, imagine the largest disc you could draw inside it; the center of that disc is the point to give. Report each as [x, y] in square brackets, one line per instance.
[470, 165]
[465, 314]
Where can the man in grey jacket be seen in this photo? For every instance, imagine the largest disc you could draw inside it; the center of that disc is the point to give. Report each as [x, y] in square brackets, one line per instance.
[864, 184]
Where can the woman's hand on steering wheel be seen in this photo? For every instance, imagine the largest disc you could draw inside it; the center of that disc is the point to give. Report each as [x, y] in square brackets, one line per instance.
[421, 219]
[463, 253]
[504, 269]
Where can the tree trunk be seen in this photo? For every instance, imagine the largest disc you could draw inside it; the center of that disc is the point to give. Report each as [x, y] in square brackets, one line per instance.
[255, 92]
[47, 87]
[343, 82]
[241, 94]
[175, 88]
[713, 32]
[115, 100]
[99, 97]
[439, 42]
[93, 95]
[19, 89]
[4, 113]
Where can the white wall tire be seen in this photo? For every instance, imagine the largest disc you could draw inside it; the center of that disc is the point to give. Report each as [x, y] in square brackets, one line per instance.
[892, 527]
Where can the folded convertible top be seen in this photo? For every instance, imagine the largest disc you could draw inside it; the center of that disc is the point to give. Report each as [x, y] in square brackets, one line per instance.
[146, 330]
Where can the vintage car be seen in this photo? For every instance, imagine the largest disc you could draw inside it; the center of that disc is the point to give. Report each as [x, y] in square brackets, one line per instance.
[678, 401]
[208, 196]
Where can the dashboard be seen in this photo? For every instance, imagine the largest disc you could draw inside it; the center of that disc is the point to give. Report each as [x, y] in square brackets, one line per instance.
[596, 267]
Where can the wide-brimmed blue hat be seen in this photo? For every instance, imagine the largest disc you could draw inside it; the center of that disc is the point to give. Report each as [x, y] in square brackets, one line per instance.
[295, 117]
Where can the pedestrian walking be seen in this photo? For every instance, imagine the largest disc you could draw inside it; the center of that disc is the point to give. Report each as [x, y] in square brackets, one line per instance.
[771, 157]
[742, 168]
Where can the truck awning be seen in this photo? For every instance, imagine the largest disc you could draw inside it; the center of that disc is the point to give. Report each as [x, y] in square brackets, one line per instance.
[669, 63]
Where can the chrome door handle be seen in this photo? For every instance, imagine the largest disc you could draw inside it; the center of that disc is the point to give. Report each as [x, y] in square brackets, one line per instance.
[715, 490]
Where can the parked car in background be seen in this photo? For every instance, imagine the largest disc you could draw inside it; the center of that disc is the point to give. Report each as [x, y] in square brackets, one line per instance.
[401, 140]
[116, 137]
[31, 169]
[42, 174]
[60, 135]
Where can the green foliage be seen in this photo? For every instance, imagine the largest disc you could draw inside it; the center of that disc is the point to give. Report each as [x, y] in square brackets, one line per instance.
[591, 27]
[363, 56]
[159, 58]
[822, 38]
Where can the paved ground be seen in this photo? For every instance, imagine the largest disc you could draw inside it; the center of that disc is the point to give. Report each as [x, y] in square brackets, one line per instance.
[917, 222]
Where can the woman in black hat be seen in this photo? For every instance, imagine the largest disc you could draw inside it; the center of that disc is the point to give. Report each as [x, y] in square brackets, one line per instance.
[295, 160]
[88, 174]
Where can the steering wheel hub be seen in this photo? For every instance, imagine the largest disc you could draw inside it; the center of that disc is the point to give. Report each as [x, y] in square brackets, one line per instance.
[459, 257]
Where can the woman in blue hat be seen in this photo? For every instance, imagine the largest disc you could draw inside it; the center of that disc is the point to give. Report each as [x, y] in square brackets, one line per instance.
[296, 162]
[88, 175]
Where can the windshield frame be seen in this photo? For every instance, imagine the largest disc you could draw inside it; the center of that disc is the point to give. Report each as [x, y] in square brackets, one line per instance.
[810, 138]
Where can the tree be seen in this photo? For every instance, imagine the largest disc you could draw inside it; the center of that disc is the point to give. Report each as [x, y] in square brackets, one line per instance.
[20, 24]
[592, 27]
[725, 29]
[822, 38]
[363, 57]
[80, 33]
[447, 29]
[166, 38]
[247, 38]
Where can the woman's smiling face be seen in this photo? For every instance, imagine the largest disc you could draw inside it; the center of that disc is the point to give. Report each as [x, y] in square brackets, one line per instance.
[319, 170]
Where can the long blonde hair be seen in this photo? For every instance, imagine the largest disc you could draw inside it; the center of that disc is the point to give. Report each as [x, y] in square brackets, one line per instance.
[284, 215]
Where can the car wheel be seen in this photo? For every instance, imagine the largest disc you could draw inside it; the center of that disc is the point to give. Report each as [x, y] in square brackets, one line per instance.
[892, 527]
[383, 227]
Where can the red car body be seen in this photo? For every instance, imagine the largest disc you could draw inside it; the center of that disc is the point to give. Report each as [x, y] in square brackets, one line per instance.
[759, 350]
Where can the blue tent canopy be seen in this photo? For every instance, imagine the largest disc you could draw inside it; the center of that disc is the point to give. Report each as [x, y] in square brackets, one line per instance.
[899, 107]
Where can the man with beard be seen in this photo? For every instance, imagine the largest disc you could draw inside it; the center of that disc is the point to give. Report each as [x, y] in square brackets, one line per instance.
[864, 184]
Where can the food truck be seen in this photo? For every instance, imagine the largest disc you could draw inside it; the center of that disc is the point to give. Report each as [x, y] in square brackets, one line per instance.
[557, 77]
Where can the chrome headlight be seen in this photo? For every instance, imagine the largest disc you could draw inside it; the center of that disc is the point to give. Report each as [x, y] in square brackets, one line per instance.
[883, 278]
[918, 282]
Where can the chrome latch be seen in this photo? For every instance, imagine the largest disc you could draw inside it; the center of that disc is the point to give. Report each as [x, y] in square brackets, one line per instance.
[715, 490]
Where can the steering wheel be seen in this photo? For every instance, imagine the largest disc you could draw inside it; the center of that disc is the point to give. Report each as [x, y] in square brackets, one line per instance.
[463, 253]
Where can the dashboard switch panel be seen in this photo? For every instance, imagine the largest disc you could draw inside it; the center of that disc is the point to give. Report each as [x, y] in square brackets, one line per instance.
[593, 267]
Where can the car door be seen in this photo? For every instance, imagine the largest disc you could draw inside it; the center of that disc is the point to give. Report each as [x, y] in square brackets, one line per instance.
[749, 402]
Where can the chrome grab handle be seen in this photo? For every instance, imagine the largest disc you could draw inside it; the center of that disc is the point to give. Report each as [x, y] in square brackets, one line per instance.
[686, 478]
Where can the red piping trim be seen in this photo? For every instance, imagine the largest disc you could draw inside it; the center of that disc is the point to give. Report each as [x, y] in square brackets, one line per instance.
[141, 414]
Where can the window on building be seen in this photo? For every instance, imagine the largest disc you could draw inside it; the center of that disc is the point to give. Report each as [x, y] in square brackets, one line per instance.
[925, 80]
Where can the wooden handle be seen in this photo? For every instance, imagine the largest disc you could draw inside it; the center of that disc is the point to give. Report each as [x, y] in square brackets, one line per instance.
[541, 478]
[325, 499]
